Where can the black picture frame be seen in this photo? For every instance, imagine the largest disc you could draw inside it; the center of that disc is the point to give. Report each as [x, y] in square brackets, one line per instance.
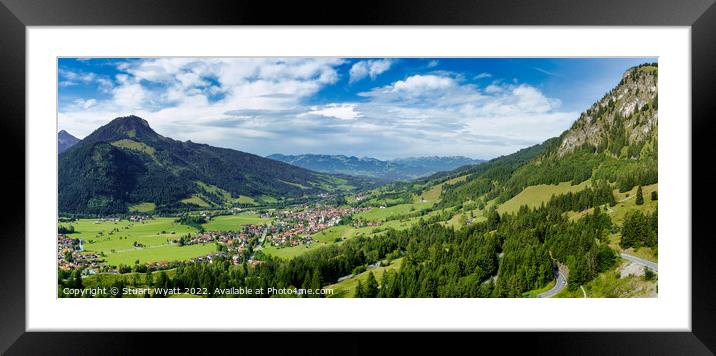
[16, 15]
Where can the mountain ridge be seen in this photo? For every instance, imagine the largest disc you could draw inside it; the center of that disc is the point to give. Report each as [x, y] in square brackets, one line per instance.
[615, 140]
[395, 169]
[125, 162]
[65, 140]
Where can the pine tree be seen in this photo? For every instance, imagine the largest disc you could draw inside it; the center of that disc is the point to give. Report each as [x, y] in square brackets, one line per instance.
[77, 279]
[163, 281]
[306, 283]
[639, 196]
[148, 279]
[371, 286]
[359, 290]
[316, 282]
[384, 282]
[493, 219]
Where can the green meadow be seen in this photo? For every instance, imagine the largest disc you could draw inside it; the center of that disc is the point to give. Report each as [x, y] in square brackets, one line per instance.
[433, 194]
[233, 222]
[329, 236]
[115, 239]
[142, 207]
[535, 195]
[378, 214]
[346, 288]
[168, 252]
[291, 252]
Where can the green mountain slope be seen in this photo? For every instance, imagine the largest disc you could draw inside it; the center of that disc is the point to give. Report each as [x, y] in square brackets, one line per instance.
[615, 140]
[125, 163]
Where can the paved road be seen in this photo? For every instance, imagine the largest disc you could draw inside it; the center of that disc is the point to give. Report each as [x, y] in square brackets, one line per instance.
[648, 264]
[558, 286]
[262, 238]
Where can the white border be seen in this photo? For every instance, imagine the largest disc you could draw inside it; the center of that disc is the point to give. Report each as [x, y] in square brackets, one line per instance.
[670, 311]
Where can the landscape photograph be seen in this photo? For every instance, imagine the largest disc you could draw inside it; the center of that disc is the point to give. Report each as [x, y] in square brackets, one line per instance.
[330, 177]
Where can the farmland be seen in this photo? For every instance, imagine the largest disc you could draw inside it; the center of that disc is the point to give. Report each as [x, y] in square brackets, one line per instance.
[149, 240]
[125, 242]
[233, 222]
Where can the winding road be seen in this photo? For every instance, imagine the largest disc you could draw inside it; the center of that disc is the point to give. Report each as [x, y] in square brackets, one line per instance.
[558, 285]
[642, 262]
[562, 279]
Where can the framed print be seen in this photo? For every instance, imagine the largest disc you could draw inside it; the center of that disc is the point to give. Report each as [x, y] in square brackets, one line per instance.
[511, 173]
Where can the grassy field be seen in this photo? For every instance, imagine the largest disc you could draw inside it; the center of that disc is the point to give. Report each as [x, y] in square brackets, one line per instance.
[535, 195]
[268, 199]
[291, 252]
[379, 214]
[167, 252]
[111, 234]
[346, 288]
[143, 207]
[226, 196]
[135, 146]
[477, 215]
[328, 237]
[115, 240]
[196, 200]
[233, 222]
[331, 234]
[333, 183]
[433, 194]
[626, 202]
[243, 199]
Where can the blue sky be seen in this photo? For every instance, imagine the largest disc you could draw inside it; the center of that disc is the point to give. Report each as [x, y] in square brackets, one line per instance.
[378, 107]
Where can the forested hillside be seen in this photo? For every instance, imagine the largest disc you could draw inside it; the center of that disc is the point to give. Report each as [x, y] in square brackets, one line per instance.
[125, 162]
[614, 140]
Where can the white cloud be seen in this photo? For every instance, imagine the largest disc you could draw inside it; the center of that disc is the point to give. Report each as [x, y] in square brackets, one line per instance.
[369, 68]
[85, 104]
[483, 76]
[420, 83]
[258, 105]
[339, 111]
[433, 63]
[68, 78]
[493, 88]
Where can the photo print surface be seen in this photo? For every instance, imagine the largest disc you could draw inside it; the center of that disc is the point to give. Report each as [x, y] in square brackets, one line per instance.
[357, 177]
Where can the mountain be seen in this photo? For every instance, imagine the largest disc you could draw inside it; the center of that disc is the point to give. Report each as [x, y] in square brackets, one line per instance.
[125, 164]
[397, 169]
[626, 117]
[615, 140]
[65, 141]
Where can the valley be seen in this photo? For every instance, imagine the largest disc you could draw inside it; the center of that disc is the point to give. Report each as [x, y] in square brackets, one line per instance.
[143, 210]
